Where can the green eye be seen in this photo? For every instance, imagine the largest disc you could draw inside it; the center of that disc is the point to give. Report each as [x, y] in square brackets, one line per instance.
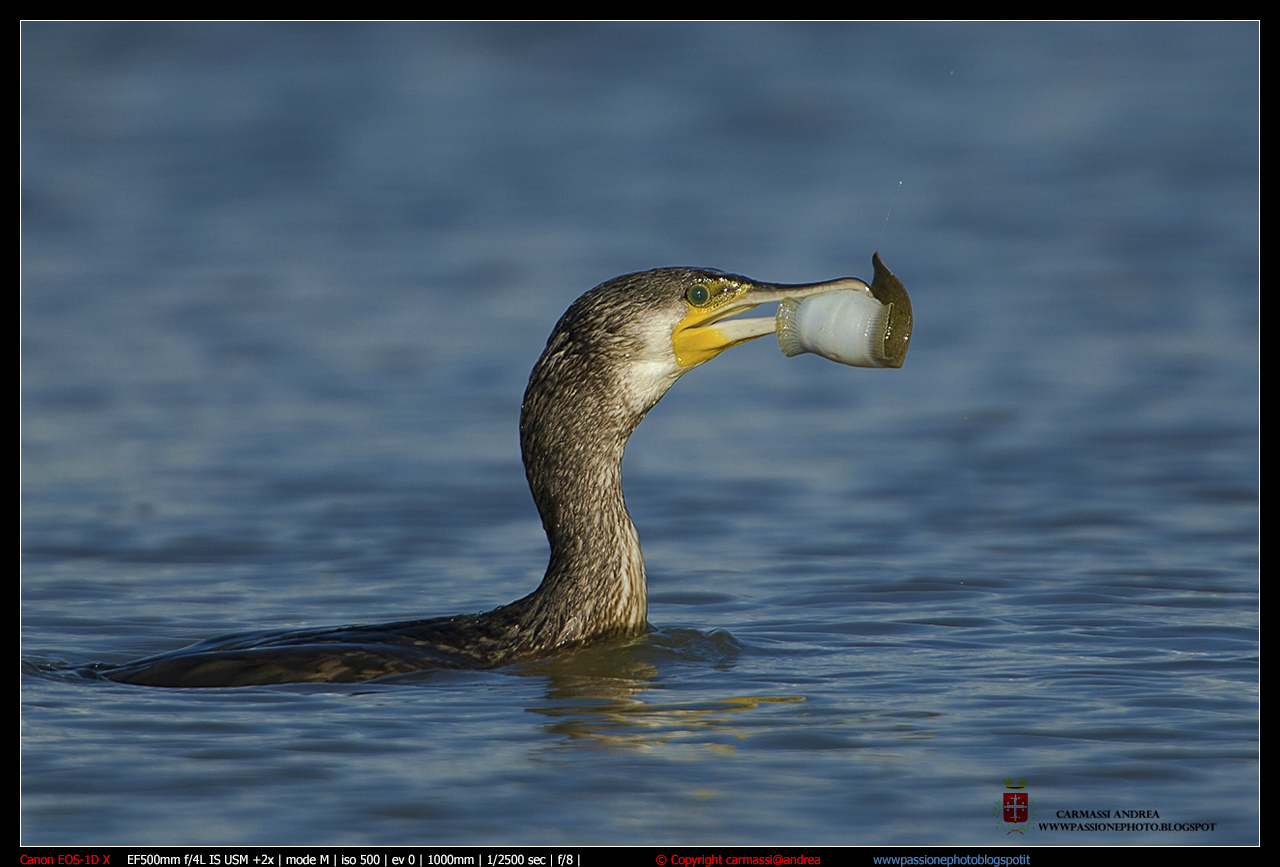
[698, 295]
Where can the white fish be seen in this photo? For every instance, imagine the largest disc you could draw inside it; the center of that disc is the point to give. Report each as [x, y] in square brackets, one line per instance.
[864, 326]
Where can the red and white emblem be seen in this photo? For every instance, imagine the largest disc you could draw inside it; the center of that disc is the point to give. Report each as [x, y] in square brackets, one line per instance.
[1015, 808]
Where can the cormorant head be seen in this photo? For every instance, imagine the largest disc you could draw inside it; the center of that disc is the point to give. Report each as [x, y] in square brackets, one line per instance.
[635, 335]
[678, 318]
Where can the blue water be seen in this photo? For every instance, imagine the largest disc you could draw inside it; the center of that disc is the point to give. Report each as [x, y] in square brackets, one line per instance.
[282, 288]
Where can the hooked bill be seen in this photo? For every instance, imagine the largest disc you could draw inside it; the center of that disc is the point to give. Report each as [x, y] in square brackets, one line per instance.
[868, 327]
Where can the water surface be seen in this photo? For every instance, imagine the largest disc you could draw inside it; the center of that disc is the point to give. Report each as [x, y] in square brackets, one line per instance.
[283, 285]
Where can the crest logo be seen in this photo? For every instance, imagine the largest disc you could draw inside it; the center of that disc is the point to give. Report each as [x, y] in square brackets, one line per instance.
[1016, 811]
[1015, 808]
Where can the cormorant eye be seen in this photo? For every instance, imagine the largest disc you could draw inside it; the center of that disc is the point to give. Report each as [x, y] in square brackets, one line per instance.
[698, 295]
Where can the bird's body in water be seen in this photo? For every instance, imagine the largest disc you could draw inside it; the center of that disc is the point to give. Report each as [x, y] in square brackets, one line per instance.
[610, 358]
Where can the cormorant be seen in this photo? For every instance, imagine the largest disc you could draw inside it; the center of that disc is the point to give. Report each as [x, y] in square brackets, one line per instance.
[610, 358]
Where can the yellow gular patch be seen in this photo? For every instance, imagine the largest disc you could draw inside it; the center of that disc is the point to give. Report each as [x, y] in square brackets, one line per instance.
[695, 342]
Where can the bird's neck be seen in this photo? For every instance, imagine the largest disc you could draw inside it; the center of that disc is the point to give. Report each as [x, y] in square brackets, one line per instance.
[573, 431]
[595, 582]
